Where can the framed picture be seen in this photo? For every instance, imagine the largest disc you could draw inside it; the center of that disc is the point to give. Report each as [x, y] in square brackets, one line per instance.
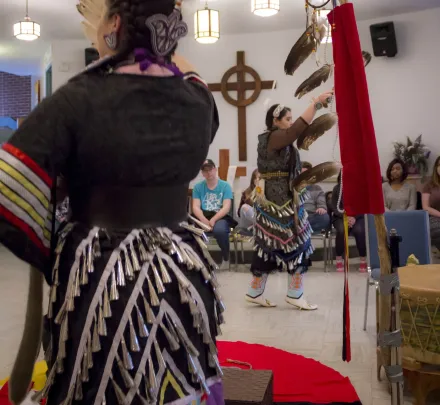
[37, 89]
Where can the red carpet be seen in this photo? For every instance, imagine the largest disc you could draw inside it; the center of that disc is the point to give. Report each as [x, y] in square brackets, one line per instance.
[297, 379]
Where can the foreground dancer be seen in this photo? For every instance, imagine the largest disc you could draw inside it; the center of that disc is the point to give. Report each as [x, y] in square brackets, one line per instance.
[282, 232]
[134, 308]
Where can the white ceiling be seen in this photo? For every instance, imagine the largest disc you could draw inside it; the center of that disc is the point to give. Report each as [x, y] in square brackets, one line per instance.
[59, 20]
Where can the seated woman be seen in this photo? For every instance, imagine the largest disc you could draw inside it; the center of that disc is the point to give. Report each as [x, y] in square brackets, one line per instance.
[356, 228]
[431, 203]
[246, 212]
[397, 193]
[328, 201]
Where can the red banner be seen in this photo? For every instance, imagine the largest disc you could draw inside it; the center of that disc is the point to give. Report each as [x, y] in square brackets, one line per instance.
[361, 176]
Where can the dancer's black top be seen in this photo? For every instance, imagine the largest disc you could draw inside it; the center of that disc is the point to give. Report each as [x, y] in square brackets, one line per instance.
[131, 317]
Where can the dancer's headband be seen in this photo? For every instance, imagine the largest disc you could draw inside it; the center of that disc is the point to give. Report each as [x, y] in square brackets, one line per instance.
[278, 111]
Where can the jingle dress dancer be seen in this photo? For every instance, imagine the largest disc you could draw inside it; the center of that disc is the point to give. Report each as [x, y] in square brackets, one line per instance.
[282, 232]
[134, 309]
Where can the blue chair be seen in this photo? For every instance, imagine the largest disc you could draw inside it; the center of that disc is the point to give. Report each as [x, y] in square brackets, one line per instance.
[413, 227]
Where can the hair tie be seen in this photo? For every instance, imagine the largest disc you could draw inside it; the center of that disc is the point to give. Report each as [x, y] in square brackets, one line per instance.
[146, 59]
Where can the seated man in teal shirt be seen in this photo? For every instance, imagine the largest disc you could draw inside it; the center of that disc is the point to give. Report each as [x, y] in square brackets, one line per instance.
[211, 204]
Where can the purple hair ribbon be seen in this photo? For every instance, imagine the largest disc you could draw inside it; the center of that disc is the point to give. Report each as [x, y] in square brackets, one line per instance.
[146, 59]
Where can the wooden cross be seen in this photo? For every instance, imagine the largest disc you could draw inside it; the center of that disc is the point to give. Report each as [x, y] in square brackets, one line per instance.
[223, 166]
[241, 86]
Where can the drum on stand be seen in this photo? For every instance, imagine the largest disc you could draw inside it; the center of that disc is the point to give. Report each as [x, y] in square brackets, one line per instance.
[420, 327]
[420, 312]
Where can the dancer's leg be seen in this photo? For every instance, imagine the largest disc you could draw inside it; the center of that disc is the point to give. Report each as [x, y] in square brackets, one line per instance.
[260, 270]
[257, 285]
[295, 292]
[256, 291]
[295, 286]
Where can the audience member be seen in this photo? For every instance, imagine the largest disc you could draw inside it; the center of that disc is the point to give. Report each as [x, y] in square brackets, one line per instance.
[398, 194]
[211, 204]
[431, 203]
[246, 211]
[316, 205]
[328, 201]
[356, 228]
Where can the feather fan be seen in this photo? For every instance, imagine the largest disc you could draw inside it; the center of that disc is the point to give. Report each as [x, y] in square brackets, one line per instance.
[91, 10]
[314, 81]
[316, 174]
[316, 129]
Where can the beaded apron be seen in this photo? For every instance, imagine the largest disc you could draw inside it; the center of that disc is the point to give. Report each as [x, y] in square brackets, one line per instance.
[282, 232]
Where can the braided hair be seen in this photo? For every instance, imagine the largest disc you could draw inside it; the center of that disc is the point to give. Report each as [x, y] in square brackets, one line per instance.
[134, 32]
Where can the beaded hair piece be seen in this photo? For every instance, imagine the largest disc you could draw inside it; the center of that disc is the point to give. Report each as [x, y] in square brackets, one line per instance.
[278, 110]
[166, 30]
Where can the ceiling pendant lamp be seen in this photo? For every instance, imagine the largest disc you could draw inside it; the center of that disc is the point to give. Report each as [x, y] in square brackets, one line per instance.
[265, 8]
[27, 30]
[207, 25]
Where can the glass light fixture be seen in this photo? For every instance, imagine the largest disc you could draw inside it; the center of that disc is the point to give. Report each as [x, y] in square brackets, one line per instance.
[265, 8]
[207, 25]
[27, 30]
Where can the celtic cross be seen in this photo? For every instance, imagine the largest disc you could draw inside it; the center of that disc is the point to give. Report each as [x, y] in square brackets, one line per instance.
[241, 102]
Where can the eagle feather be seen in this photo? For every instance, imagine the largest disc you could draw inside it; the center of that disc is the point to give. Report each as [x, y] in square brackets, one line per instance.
[300, 51]
[367, 58]
[315, 80]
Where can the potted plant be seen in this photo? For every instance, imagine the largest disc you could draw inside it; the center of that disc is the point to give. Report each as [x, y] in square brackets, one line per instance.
[414, 154]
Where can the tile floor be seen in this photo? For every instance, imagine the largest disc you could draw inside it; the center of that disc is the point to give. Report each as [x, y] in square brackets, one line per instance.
[312, 334]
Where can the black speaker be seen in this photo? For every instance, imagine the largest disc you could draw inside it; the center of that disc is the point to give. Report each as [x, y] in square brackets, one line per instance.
[383, 37]
[91, 54]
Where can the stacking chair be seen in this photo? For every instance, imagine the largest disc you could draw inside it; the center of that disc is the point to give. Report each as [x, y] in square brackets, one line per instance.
[239, 236]
[325, 236]
[413, 227]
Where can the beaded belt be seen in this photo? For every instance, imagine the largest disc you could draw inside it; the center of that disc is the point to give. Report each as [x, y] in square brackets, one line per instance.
[272, 175]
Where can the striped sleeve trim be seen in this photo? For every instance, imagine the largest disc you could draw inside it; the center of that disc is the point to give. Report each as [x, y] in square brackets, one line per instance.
[27, 162]
[194, 77]
[25, 192]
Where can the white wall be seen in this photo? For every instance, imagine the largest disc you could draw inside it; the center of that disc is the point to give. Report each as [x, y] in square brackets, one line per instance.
[68, 59]
[404, 90]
